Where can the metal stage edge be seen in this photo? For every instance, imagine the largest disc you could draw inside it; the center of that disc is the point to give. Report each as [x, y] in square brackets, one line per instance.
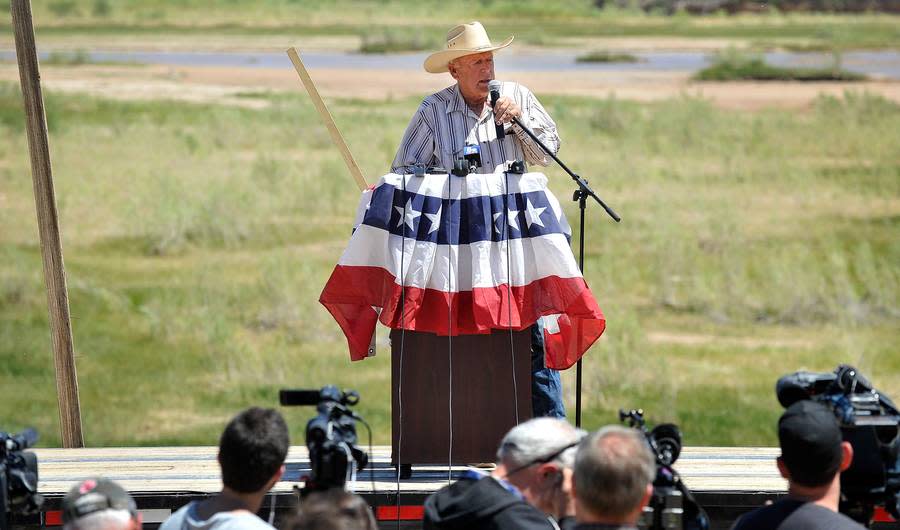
[726, 481]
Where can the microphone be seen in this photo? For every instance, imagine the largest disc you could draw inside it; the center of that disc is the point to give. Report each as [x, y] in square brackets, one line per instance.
[494, 88]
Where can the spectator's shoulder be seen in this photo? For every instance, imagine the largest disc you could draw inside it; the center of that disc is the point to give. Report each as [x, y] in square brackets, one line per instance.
[176, 520]
[767, 517]
[815, 516]
[523, 516]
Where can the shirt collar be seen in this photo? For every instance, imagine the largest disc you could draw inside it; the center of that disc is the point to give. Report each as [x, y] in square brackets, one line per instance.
[458, 104]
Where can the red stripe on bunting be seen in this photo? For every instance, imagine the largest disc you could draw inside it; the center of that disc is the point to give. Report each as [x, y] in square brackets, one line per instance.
[352, 292]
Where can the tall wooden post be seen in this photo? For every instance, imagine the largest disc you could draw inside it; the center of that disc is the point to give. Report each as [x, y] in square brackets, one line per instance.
[48, 225]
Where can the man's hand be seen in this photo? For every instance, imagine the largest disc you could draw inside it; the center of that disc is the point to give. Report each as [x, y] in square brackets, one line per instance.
[505, 110]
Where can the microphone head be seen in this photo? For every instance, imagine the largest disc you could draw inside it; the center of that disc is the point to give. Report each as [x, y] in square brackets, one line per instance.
[494, 86]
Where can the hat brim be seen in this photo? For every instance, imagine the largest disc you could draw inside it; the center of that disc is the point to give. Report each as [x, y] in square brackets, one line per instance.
[437, 62]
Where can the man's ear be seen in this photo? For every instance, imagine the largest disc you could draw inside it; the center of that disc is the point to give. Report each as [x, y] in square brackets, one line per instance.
[549, 471]
[785, 474]
[276, 477]
[452, 69]
[648, 492]
[574, 492]
[846, 455]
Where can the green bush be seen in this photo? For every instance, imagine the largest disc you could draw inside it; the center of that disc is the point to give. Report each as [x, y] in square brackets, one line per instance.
[602, 56]
[732, 65]
[396, 41]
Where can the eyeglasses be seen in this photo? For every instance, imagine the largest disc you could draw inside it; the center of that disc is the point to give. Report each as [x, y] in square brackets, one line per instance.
[543, 459]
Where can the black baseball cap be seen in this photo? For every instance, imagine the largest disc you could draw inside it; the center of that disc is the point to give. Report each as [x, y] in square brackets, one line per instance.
[810, 440]
[95, 495]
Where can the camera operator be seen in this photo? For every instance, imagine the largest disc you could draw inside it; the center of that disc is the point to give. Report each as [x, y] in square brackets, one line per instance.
[252, 451]
[332, 509]
[529, 489]
[613, 479]
[99, 504]
[813, 455]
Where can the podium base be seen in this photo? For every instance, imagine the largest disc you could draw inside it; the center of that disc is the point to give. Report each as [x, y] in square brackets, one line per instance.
[486, 404]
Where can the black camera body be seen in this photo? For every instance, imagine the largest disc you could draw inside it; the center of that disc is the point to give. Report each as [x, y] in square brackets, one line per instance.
[870, 422]
[18, 476]
[330, 436]
[672, 506]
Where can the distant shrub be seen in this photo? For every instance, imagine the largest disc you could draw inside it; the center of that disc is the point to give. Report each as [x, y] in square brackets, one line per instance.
[74, 58]
[602, 56]
[102, 8]
[733, 65]
[63, 8]
[394, 41]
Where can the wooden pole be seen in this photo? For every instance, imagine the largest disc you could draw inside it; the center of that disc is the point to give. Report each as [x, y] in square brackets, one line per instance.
[327, 119]
[48, 226]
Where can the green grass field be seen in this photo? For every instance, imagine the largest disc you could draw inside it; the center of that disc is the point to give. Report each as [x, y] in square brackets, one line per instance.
[198, 237]
[533, 21]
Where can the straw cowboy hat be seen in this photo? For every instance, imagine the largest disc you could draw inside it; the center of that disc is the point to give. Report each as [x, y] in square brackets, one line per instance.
[465, 39]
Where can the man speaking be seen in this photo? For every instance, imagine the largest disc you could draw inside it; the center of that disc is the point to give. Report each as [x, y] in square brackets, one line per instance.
[460, 120]
[461, 115]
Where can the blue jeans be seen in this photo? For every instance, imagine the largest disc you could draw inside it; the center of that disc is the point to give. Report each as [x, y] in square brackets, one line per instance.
[546, 386]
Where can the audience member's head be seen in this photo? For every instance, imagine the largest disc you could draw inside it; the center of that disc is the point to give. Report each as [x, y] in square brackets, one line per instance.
[537, 457]
[333, 509]
[614, 472]
[252, 450]
[813, 451]
[99, 504]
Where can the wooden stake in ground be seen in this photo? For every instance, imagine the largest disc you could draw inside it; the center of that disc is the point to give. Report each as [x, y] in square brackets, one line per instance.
[326, 117]
[48, 226]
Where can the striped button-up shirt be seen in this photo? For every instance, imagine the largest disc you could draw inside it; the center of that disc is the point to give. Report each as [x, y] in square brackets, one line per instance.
[443, 125]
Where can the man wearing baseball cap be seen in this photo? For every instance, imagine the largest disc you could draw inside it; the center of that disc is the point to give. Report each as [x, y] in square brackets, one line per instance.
[99, 504]
[813, 455]
[460, 119]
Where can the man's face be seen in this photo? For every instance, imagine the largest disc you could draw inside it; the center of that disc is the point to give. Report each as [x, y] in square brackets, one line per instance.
[473, 73]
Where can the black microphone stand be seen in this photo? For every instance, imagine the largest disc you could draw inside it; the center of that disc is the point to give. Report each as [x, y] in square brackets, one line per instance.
[581, 194]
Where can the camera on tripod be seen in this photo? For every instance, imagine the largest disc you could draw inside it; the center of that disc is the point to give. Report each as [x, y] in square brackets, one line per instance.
[18, 476]
[330, 436]
[672, 507]
[870, 422]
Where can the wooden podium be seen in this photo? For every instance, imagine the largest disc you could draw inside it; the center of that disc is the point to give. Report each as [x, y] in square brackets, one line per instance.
[485, 402]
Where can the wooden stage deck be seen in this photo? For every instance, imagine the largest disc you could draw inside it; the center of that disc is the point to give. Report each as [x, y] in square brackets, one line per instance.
[726, 480]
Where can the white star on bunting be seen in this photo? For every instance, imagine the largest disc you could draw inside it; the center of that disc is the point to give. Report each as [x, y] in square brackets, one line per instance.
[512, 217]
[434, 219]
[410, 217]
[532, 214]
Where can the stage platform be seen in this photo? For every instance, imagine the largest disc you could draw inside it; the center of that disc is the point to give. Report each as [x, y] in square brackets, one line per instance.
[727, 481]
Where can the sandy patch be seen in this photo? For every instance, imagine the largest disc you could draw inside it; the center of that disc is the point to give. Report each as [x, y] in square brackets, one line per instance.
[223, 84]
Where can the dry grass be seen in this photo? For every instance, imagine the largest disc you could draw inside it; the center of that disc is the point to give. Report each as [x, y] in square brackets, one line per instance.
[198, 237]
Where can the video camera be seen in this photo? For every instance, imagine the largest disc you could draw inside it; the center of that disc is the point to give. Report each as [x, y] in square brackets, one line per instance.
[870, 422]
[18, 476]
[672, 507]
[330, 436]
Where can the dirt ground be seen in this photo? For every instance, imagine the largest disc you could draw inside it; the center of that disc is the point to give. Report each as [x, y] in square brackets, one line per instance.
[222, 85]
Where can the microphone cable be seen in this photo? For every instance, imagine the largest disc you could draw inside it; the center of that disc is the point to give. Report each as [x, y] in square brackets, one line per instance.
[512, 348]
[450, 322]
[402, 340]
